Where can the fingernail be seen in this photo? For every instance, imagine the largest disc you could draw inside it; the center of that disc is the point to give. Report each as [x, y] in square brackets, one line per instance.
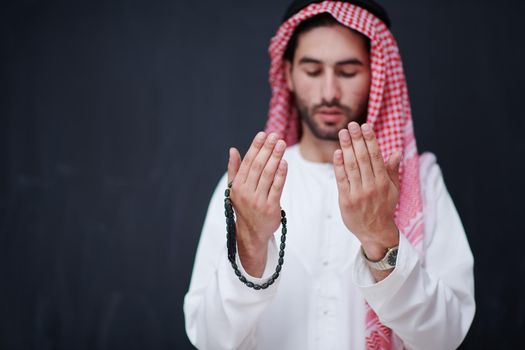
[354, 127]
[343, 135]
[280, 145]
[260, 136]
[366, 128]
[272, 138]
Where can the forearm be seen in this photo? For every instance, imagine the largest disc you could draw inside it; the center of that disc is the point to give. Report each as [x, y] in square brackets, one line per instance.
[253, 255]
[426, 314]
[224, 314]
[423, 310]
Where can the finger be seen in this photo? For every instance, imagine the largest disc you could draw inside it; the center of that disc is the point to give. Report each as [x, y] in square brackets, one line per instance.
[361, 154]
[376, 158]
[349, 160]
[234, 163]
[343, 185]
[393, 167]
[260, 161]
[268, 173]
[278, 182]
[256, 145]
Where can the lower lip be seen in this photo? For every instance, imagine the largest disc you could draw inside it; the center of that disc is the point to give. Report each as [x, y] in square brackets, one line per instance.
[331, 117]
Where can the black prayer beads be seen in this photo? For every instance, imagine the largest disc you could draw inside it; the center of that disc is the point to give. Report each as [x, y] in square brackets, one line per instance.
[231, 232]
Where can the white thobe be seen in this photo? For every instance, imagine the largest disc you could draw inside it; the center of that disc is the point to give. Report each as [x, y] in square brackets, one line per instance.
[318, 302]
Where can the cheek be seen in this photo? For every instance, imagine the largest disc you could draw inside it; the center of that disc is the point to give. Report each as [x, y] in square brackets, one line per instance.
[365, 84]
[305, 88]
[358, 89]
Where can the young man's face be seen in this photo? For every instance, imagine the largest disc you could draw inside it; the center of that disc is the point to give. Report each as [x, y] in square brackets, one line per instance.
[330, 78]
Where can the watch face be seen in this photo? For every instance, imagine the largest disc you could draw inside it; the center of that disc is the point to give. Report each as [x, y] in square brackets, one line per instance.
[392, 257]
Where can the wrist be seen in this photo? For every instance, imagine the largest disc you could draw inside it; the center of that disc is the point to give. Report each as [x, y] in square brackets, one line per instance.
[252, 253]
[254, 268]
[255, 252]
[253, 263]
[376, 248]
[250, 242]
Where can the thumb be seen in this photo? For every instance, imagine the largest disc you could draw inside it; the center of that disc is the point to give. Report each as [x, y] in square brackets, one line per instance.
[392, 167]
[234, 163]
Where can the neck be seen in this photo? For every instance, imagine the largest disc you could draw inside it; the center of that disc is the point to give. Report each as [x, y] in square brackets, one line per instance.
[316, 150]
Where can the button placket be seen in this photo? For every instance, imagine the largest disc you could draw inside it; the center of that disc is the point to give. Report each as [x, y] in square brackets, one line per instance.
[330, 211]
[326, 302]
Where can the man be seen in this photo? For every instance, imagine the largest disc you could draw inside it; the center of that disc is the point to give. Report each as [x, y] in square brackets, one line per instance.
[376, 256]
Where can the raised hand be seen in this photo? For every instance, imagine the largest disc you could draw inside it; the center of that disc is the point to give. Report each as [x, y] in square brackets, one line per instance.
[258, 182]
[368, 189]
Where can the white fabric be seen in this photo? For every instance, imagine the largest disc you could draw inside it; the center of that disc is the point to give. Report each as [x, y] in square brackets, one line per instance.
[317, 302]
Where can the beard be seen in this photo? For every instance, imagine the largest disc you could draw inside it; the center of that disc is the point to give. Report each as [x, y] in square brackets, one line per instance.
[329, 131]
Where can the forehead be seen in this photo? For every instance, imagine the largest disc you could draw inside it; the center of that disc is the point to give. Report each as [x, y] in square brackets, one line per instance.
[331, 44]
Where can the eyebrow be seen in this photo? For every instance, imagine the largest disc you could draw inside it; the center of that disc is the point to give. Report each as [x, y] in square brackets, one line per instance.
[353, 61]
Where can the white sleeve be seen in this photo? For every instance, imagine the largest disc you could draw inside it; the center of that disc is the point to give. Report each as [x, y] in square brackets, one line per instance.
[428, 305]
[220, 311]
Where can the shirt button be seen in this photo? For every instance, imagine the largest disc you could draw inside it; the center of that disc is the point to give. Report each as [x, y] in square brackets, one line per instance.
[328, 216]
[325, 263]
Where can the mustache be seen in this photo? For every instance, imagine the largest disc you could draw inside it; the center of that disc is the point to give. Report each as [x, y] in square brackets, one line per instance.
[332, 104]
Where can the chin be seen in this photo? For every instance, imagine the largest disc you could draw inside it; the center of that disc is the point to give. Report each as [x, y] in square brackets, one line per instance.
[328, 135]
[321, 131]
[332, 128]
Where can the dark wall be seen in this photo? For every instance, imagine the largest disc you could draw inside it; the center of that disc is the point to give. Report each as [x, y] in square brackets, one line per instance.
[115, 121]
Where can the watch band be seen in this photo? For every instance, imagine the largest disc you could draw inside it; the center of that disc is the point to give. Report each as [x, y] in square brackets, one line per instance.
[386, 263]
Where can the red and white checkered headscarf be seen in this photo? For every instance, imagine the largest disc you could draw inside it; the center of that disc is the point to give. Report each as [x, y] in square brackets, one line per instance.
[388, 113]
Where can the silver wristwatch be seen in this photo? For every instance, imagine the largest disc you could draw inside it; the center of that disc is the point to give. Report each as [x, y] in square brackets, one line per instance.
[388, 262]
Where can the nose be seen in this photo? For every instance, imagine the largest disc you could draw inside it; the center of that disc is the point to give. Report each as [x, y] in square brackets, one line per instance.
[330, 89]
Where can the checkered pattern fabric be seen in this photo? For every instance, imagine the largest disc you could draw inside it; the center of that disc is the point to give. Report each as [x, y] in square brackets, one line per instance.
[388, 113]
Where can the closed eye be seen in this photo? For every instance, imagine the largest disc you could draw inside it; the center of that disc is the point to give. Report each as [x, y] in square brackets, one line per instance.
[314, 73]
[347, 74]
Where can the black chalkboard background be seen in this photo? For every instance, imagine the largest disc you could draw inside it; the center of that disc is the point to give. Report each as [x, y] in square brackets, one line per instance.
[115, 121]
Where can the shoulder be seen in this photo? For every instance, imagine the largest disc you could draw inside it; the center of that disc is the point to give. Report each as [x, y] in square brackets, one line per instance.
[217, 197]
[431, 177]
[434, 194]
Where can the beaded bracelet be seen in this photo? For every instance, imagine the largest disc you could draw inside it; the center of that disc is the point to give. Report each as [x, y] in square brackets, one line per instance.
[231, 244]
